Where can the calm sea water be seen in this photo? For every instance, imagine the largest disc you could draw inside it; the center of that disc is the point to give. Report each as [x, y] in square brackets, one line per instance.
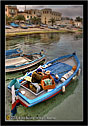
[61, 107]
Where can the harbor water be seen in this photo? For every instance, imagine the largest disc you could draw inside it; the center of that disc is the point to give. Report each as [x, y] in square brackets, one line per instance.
[67, 106]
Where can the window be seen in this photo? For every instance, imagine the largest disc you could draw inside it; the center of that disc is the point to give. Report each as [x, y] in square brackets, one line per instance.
[12, 11]
[31, 17]
[34, 12]
[27, 16]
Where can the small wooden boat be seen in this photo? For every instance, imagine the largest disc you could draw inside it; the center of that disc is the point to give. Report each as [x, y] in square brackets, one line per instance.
[7, 27]
[29, 25]
[22, 62]
[14, 25]
[13, 53]
[53, 27]
[61, 71]
[23, 26]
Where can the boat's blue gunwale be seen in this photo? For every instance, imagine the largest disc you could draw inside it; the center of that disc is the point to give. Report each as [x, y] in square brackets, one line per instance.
[53, 91]
[59, 58]
[12, 52]
[13, 66]
[15, 56]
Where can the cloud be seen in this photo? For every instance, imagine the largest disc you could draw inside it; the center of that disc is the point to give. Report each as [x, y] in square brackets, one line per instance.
[70, 11]
[22, 7]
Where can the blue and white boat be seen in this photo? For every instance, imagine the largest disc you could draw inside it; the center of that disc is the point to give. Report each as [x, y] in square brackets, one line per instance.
[14, 25]
[24, 61]
[12, 53]
[63, 70]
[24, 26]
[53, 27]
[7, 27]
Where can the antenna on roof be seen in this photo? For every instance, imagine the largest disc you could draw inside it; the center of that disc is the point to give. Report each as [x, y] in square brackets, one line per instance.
[25, 7]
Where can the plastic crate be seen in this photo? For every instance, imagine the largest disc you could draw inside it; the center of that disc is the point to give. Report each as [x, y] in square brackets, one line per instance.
[45, 87]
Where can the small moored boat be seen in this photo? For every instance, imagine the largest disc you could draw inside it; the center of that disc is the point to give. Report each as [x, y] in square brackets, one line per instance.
[14, 25]
[55, 76]
[23, 26]
[24, 61]
[7, 27]
[13, 53]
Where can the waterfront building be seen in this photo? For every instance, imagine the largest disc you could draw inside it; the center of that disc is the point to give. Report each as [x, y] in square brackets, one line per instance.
[30, 14]
[25, 14]
[48, 14]
[78, 24]
[11, 11]
[45, 14]
[34, 13]
[64, 21]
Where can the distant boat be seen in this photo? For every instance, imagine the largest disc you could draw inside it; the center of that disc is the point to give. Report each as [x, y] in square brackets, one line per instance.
[29, 25]
[13, 53]
[23, 62]
[53, 27]
[14, 25]
[23, 26]
[58, 73]
[43, 25]
[7, 27]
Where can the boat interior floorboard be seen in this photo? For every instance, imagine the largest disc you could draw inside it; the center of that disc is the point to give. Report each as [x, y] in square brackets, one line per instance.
[69, 61]
[29, 94]
[17, 61]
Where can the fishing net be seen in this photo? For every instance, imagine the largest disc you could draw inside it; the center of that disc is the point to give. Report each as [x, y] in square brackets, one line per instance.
[58, 68]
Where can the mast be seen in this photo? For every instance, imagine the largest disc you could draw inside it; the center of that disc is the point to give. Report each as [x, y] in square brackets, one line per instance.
[25, 8]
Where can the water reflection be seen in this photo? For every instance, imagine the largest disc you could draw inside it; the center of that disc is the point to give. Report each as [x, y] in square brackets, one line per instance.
[34, 38]
[41, 38]
[34, 42]
[78, 36]
[55, 45]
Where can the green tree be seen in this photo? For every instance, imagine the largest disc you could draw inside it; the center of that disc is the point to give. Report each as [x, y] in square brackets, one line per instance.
[71, 19]
[9, 19]
[52, 20]
[20, 18]
[35, 20]
[78, 19]
[38, 21]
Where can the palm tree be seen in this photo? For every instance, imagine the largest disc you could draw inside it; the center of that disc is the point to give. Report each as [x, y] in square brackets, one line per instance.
[35, 20]
[39, 21]
[78, 19]
[20, 18]
[52, 20]
[9, 19]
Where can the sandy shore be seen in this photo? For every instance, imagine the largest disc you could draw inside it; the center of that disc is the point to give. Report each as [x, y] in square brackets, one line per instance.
[20, 31]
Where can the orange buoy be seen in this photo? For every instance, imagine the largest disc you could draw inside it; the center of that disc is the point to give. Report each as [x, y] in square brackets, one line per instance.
[74, 68]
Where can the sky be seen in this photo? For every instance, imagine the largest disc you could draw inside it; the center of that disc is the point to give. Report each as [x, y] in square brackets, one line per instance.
[71, 11]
